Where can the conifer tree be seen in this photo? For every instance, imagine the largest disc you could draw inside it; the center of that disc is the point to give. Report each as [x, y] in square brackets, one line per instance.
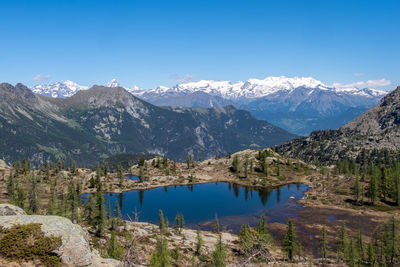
[397, 188]
[160, 256]
[246, 167]
[351, 255]
[360, 246]
[235, 164]
[199, 243]
[162, 224]
[356, 190]
[114, 248]
[34, 201]
[51, 209]
[100, 217]
[108, 210]
[373, 190]
[290, 244]
[371, 255]
[262, 226]
[323, 247]
[11, 187]
[218, 256]
[342, 246]
[20, 198]
[189, 161]
[264, 165]
[141, 174]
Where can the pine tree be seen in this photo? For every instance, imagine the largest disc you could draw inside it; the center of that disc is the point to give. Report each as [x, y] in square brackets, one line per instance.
[141, 174]
[342, 246]
[120, 175]
[114, 248]
[356, 190]
[189, 160]
[246, 167]
[11, 187]
[278, 169]
[262, 226]
[397, 188]
[176, 256]
[371, 255]
[51, 207]
[199, 243]
[351, 255]
[162, 223]
[264, 165]
[160, 256]
[20, 198]
[34, 202]
[373, 190]
[100, 217]
[290, 244]
[235, 164]
[360, 246]
[323, 247]
[218, 256]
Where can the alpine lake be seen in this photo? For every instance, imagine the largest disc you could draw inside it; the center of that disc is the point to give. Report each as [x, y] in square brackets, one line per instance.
[203, 204]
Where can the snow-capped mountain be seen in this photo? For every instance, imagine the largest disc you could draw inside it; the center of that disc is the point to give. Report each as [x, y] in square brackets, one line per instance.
[299, 104]
[113, 83]
[58, 89]
[254, 88]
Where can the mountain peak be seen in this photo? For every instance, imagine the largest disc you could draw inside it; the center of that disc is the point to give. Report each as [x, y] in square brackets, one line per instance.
[59, 89]
[113, 83]
[383, 116]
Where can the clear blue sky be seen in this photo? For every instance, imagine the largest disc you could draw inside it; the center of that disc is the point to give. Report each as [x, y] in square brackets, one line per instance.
[151, 43]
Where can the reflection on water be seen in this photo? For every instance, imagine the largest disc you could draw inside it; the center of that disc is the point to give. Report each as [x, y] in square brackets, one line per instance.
[202, 202]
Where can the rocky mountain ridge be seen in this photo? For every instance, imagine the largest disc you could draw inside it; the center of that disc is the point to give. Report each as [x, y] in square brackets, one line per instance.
[373, 135]
[299, 104]
[102, 121]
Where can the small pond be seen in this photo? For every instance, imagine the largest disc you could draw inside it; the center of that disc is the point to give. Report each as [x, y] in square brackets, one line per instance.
[201, 203]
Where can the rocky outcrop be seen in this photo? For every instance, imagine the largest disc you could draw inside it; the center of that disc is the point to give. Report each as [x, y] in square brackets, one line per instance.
[2, 164]
[75, 249]
[7, 210]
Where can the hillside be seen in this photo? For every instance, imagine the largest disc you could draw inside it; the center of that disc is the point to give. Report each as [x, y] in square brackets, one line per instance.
[373, 135]
[101, 121]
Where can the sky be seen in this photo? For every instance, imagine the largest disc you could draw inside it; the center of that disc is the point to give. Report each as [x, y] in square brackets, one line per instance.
[150, 43]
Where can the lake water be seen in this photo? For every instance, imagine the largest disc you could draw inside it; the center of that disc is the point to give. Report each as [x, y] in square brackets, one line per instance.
[132, 177]
[201, 203]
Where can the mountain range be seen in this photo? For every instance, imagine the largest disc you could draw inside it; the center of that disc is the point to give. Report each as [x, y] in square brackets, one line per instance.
[375, 135]
[299, 105]
[98, 122]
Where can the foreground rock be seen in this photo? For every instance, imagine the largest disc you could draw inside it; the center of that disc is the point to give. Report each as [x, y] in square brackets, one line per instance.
[7, 210]
[75, 249]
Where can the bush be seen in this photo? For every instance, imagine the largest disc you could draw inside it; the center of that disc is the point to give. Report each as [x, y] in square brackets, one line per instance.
[28, 242]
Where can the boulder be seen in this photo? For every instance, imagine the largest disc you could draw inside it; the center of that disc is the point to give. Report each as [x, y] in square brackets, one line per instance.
[2, 164]
[75, 249]
[7, 210]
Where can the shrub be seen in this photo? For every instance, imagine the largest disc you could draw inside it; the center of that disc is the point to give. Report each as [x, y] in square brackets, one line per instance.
[28, 242]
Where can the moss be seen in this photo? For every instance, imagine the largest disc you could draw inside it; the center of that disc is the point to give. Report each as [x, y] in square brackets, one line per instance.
[28, 242]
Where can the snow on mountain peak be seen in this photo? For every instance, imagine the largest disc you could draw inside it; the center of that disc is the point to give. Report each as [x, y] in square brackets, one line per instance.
[59, 89]
[113, 83]
[250, 89]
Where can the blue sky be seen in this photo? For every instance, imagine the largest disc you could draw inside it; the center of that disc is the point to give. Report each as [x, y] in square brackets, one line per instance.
[151, 43]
